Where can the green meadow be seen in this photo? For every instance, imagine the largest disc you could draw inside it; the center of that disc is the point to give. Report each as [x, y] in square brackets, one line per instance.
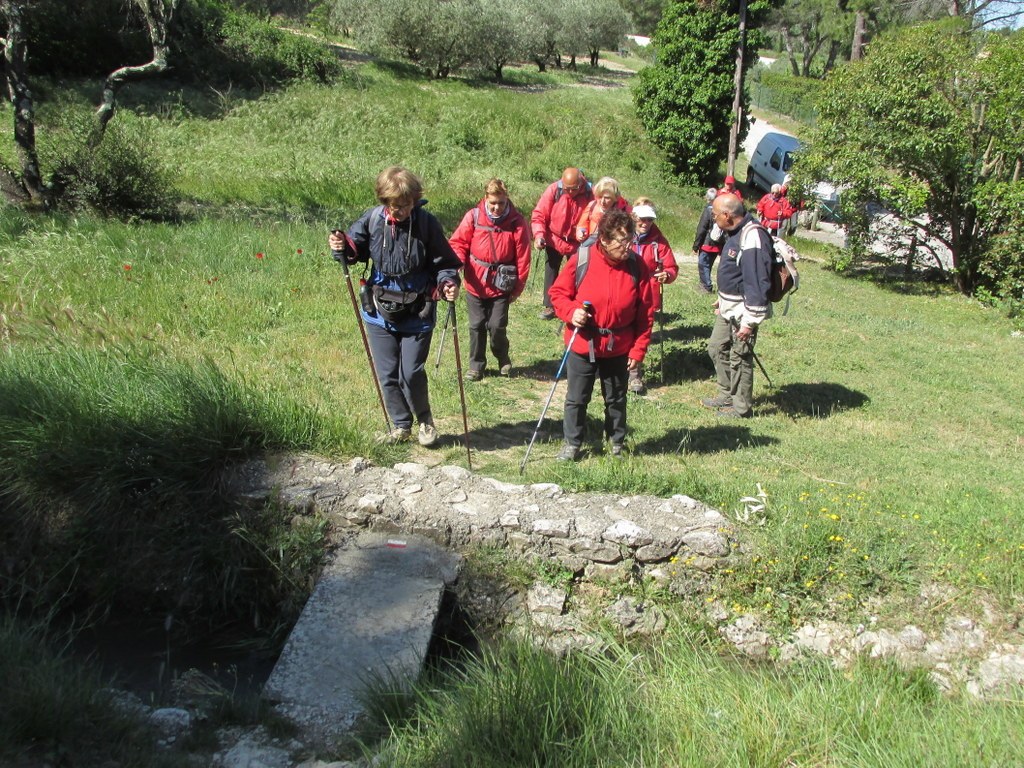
[137, 359]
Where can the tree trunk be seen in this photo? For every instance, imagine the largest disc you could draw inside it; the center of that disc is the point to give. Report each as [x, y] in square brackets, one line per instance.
[833, 53]
[15, 55]
[541, 62]
[788, 42]
[157, 14]
[737, 101]
[572, 62]
[859, 33]
[595, 57]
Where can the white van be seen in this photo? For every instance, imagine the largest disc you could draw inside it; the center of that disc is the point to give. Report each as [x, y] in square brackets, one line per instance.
[772, 160]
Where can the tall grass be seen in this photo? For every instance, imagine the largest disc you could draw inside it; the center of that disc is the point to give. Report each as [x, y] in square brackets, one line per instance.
[680, 704]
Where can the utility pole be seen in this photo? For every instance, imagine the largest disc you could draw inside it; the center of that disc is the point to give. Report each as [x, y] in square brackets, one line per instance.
[737, 101]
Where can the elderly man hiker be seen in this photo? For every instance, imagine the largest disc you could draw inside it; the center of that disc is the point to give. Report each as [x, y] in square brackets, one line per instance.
[553, 223]
[744, 279]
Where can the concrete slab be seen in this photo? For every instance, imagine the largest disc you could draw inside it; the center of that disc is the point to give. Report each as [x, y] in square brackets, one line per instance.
[370, 616]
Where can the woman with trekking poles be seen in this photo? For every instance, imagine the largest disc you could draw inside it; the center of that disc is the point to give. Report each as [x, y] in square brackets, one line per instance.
[493, 242]
[604, 296]
[654, 250]
[411, 267]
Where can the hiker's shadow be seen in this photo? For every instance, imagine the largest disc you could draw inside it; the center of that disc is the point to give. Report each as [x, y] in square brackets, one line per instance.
[817, 400]
[680, 333]
[683, 364]
[702, 440]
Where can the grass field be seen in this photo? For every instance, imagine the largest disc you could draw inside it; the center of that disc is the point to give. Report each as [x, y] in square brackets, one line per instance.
[889, 449]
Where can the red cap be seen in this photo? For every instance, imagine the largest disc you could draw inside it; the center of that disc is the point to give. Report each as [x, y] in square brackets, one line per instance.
[730, 180]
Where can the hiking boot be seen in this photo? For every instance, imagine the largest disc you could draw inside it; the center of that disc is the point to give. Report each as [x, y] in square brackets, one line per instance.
[704, 288]
[505, 370]
[547, 314]
[473, 375]
[428, 435]
[617, 451]
[636, 386]
[731, 413]
[714, 403]
[395, 435]
[568, 453]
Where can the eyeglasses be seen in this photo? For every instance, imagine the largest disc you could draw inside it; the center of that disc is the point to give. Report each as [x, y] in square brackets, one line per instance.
[623, 242]
[396, 208]
[645, 221]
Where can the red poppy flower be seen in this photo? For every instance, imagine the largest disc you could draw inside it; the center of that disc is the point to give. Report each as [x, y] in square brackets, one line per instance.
[259, 255]
[298, 251]
[127, 267]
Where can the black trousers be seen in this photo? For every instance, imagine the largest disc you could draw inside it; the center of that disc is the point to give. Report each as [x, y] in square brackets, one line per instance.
[400, 360]
[614, 380]
[553, 261]
[487, 317]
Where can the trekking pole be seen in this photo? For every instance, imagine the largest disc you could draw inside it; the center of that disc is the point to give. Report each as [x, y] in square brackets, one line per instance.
[568, 347]
[440, 345]
[458, 372]
[362, 330]
[661, 323]
[758, 361]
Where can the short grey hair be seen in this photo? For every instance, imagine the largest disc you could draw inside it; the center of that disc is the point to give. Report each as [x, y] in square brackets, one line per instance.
[776, 188]
[711, 194]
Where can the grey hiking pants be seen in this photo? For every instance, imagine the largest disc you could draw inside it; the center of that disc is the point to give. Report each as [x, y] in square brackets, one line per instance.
[734, 364]
[400, 361]
[487, 317]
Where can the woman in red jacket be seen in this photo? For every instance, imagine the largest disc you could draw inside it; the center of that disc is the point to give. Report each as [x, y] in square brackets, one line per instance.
[493, 242]
[656, 253]
[604, 295]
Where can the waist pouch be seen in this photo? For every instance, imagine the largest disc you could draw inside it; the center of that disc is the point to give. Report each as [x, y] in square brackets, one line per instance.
[502, 276]
[395, 306]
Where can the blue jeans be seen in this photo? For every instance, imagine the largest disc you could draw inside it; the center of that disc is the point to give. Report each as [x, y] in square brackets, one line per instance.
[705, 260]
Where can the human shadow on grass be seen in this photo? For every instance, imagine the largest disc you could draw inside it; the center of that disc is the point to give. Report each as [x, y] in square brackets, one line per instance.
[714, 439]
[681, 333]
[684, 364]
[816, 400]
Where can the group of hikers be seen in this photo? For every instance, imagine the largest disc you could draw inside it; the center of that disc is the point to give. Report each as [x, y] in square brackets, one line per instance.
[606, 263]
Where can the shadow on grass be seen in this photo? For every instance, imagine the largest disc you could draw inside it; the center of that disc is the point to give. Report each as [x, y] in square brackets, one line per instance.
[817, 400]
[705, 440]
[681, 333]
[682, 364]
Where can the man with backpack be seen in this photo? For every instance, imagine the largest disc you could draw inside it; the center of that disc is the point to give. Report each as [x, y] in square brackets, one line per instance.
[553, 223]
[744, 284]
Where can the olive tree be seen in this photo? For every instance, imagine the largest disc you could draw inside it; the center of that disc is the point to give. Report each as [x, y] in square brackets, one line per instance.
[926, 123]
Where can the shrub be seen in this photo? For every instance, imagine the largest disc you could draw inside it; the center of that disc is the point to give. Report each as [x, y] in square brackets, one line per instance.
[121, 175]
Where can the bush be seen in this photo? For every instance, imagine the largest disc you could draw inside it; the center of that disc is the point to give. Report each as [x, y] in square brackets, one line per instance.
[781, 92]
[267, 54]
[121, 175]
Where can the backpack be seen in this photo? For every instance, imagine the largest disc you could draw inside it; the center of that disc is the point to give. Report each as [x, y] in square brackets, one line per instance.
[583, 261]
[785, 279]
[560, 190]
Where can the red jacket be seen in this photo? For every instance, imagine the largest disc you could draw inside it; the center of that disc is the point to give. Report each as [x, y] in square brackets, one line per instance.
[646, 249]
[556, 215]
[481, 243]
[773, 211]
[591, 217]
[623, 307]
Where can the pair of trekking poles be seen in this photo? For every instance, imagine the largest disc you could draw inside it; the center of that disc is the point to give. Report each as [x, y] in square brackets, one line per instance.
[449, 320]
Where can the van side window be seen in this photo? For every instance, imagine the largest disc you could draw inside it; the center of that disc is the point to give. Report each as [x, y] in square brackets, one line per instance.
[776, 161]
[787, 162]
